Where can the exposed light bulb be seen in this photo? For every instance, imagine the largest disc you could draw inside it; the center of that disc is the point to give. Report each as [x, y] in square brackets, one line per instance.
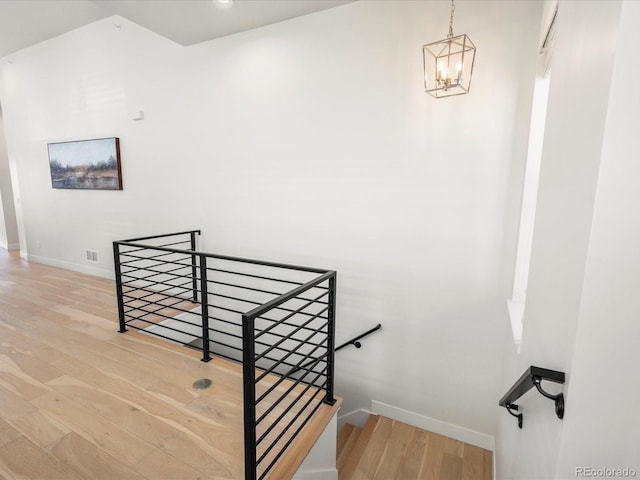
[458, 70]
[442, 73]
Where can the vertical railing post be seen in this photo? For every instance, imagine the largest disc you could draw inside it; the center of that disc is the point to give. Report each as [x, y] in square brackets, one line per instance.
[249, 395]
[204, 304]
[194, 269]
[331, 333]
[118, 272]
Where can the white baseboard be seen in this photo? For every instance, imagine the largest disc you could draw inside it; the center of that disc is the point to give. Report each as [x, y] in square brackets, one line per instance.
[357, 418]
[495, 477]
[456, 432]
[10, 246]
[97, 272]
[317, 475]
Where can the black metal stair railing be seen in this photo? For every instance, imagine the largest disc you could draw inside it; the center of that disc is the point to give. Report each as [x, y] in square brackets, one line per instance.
[277, 319]
[288, 404]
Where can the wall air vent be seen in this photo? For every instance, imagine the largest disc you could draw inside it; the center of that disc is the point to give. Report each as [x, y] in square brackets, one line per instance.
[92, 256]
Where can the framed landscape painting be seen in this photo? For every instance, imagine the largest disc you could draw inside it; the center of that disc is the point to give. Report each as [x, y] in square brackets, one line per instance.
[86, 164]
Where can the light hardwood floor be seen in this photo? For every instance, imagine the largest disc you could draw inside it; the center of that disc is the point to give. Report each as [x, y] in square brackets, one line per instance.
[80, 401]
[386, 449]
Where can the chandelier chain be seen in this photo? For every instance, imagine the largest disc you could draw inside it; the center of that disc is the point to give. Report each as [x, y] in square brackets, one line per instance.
[453, 9]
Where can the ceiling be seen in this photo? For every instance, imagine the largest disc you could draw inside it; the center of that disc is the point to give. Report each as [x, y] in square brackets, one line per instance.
[26, 22]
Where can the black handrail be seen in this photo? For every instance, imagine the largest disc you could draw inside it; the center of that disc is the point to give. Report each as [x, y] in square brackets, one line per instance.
[354, 341]
[533, 377]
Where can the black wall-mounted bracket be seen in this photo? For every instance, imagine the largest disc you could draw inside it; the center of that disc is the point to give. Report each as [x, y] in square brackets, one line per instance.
[515, 407]
[533, 377]
[558, 399]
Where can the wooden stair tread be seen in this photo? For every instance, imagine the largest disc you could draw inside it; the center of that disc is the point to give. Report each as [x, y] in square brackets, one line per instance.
[358, 448]
[387, 449]
[346, 441]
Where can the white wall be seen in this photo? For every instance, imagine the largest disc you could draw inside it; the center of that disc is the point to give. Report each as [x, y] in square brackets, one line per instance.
[604, 392]
[309, 142]
[581, 316]
[8, 225]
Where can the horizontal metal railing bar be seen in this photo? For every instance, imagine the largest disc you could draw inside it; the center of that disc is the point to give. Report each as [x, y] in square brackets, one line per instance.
[291, 439]
[163, 245]
[151, 267]
[235, 285]
[145, 299]
[136, 258]
[132, 287]
[239, 349]
[270, 332]
[238, 325]
[147, 313]
[153, 293]
[292, 282]
[253, 302]
[157, 334]
[156, 282]
[156, 273]
[175, 243]
[275, 404]
[159, 292]
[276, 361]
[155, 324]
[178, 295]
[147, 303]
[306, 341]
[286, 410]
[257, 303]
[286, 317]
[160, 306]
[133, 280]
[224, 320]
[164, 327]
[131, 317]
[258, 311]
[217, 282]
[294, 368]
[308, 329]
[152, 237]
[231, 259]
[290, 334]
[286, 429]
[295, 384]
[131, 284]
[173, 276]
[128, 253]
[265, 344]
